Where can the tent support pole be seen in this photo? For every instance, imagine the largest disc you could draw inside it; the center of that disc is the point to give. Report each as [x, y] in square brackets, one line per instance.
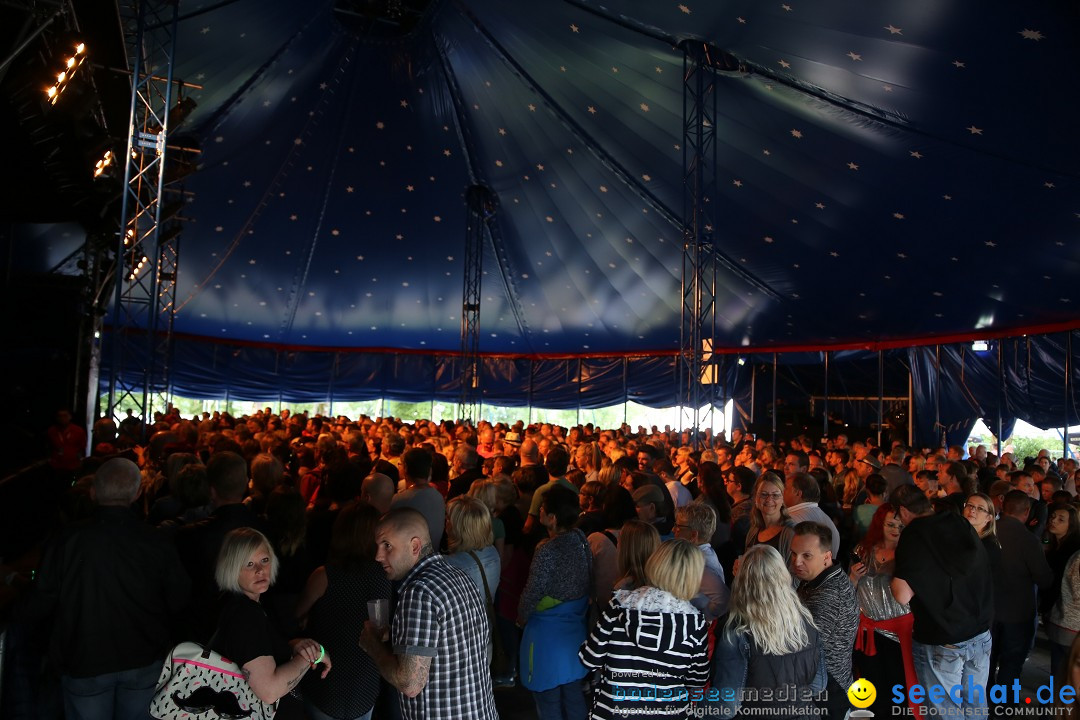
[1068, 393]
[579, 391]
[825, 408]
[910, 410]
[1001, 394]
[937, 396]
[774, 370]
[880, 393]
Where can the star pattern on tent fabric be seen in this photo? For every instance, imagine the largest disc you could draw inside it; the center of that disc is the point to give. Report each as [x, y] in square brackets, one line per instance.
[898, 215]
[741, 20]
[852, 166]
[990, 244]
[916, 154]
[205, 29]
[834, 254]
[819, 205]
[893, 30]
[1049, 185]
[786, 7]
[974, 130]
[644, 107]
[1031, 34]
[784, 64]
[958, 64]
[855, 56]
[737, 183]
[574, 28]
[795, 133]
[684, 9]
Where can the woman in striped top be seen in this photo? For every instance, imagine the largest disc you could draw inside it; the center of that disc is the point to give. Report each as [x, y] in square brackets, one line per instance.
[650, 643]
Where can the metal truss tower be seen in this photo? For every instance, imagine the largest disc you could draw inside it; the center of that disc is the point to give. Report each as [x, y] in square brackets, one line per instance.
[481, 202]
[148, 248]
[699, 380]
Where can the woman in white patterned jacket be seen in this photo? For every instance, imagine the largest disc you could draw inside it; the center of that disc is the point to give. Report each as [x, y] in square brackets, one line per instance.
[650, 643]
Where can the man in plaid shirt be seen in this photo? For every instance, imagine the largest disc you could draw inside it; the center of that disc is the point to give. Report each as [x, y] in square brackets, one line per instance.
[437, 657]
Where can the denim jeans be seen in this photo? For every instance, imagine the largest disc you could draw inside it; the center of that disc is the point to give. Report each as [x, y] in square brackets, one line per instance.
[565, 702]
[966, 664]
[1011, 647]
[111, 696]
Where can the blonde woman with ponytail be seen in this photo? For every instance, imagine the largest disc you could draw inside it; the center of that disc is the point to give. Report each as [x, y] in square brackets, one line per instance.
[769, 643]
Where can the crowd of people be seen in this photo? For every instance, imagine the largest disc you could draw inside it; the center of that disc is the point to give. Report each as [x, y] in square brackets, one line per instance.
[374, 568]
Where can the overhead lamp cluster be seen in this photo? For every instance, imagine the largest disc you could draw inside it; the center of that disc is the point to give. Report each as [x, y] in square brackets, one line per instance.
[138, 268]
[103, 164]
[70, 66]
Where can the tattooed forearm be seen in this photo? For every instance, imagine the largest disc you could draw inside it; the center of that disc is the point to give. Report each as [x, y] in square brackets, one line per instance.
[296, 680]
[412, 675]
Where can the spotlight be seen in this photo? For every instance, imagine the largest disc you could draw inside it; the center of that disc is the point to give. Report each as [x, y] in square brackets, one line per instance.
[138, 268]
[980, 346]
[742, 361]
[101, 165]
[69, 66]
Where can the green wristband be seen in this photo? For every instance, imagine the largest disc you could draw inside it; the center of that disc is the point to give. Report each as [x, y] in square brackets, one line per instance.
[322, 654]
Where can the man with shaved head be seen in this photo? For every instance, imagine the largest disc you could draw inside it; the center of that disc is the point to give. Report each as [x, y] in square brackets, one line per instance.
[377, 491]
[437, 655]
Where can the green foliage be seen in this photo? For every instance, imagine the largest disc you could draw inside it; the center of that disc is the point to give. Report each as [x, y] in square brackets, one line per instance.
[1029, 446]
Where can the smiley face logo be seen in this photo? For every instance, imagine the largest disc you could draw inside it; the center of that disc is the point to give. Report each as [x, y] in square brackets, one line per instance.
[862, 693]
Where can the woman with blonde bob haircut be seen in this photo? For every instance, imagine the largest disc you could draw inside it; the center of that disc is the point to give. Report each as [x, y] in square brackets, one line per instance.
[769, 641]
[676, 568]
[246, 568]
[470, 539]
[652, 638]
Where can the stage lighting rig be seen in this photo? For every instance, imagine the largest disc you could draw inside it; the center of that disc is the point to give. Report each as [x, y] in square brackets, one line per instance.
[69, 66]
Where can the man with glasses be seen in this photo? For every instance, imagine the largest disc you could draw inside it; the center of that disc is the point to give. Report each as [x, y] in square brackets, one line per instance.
[696, 523]
[1023, 567]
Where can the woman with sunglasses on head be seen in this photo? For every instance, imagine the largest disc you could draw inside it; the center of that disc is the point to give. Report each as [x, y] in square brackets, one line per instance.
[883, 641]
[770, 523]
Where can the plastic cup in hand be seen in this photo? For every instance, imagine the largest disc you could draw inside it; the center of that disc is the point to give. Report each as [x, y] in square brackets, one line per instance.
[379, 612]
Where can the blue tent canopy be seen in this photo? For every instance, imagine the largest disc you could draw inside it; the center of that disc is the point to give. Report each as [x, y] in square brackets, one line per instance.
[890, 174]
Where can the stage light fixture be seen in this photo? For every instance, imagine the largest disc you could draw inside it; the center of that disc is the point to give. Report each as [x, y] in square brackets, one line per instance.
[138, 268]
[980, 346]
[101, 165]
[70, 65]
